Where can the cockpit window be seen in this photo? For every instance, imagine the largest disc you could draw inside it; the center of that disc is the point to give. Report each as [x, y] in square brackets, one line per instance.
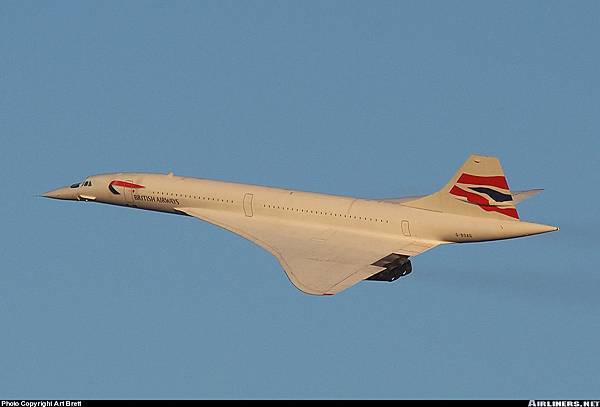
[75, 185]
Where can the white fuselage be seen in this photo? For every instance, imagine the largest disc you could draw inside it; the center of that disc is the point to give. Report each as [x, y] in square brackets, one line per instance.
[166, 193]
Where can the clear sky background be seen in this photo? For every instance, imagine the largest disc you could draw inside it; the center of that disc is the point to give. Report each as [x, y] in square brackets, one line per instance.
[370, 99]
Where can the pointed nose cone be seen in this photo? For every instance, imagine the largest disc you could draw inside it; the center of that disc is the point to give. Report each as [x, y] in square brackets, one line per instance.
[52, 194]
[61, 193]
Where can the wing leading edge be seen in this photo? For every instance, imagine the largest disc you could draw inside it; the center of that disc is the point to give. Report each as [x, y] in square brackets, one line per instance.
[317, 260]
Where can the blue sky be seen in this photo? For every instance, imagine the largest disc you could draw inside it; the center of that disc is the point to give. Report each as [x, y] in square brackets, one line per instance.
[370, 99]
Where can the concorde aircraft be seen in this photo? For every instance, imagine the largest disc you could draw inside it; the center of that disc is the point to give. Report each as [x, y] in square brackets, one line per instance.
[327, 243]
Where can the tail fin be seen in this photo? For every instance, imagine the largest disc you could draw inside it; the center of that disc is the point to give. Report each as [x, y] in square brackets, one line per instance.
[479, 188]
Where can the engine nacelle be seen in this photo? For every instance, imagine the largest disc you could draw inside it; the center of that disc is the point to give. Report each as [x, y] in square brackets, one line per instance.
[393, 273]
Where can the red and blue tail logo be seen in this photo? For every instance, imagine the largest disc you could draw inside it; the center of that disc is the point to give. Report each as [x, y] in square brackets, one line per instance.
[489, 193]
[125, 184]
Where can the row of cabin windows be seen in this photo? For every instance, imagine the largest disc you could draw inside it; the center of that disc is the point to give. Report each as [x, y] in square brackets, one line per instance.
[315, 212]
[205, 198]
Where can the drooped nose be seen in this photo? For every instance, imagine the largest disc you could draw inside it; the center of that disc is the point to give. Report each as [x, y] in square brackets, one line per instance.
[61, 193]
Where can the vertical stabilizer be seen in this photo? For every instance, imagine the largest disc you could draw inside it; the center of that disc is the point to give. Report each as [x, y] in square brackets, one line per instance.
[479, 188]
